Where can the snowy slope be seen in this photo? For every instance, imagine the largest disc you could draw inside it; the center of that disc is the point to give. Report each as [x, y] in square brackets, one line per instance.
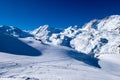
[13, 31]
[110, 63]
[13, 45]
[56, 63]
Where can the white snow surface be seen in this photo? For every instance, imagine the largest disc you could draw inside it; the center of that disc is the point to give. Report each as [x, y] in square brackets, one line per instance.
[55, 63]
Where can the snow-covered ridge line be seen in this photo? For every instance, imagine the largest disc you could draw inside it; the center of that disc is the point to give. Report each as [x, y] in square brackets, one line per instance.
[96, 36]
[14, 31]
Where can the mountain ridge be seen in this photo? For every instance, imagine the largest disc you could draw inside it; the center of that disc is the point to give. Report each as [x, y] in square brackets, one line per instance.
[88, 39]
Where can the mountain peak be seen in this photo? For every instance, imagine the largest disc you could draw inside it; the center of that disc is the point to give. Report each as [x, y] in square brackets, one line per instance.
[92, 24]
[43, 32]
[13, 31]
[113, 16]
[109, 23]
[106, 24]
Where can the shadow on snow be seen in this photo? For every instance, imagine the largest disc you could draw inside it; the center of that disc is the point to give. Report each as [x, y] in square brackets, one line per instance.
[90, 60]
[12, 45]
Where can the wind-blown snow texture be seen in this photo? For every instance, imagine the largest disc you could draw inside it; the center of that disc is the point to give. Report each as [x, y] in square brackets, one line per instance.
[54, 54]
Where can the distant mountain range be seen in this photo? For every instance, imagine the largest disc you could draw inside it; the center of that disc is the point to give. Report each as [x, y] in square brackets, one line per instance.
[95, 37]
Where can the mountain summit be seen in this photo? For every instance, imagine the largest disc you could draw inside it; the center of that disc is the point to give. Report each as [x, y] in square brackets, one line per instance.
[14, 31]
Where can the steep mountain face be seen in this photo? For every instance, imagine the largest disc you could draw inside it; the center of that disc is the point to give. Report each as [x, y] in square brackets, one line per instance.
[54, 36]
[71, 31]
[97, 36]
[43, 33]
[63, 38]
[111, 23]
[13, 31]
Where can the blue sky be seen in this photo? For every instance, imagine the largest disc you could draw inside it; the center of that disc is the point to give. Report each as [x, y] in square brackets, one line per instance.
[30, 14]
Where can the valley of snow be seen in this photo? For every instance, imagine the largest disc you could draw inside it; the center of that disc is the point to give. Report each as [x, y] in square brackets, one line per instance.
[88, 53]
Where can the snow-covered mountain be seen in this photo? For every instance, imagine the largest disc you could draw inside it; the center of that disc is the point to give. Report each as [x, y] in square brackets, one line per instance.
[96, 36]
[44, 32]
[99, 36]
[13, 31]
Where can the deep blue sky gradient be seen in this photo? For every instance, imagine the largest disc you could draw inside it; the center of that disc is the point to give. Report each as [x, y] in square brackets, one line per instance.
[30, 14]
